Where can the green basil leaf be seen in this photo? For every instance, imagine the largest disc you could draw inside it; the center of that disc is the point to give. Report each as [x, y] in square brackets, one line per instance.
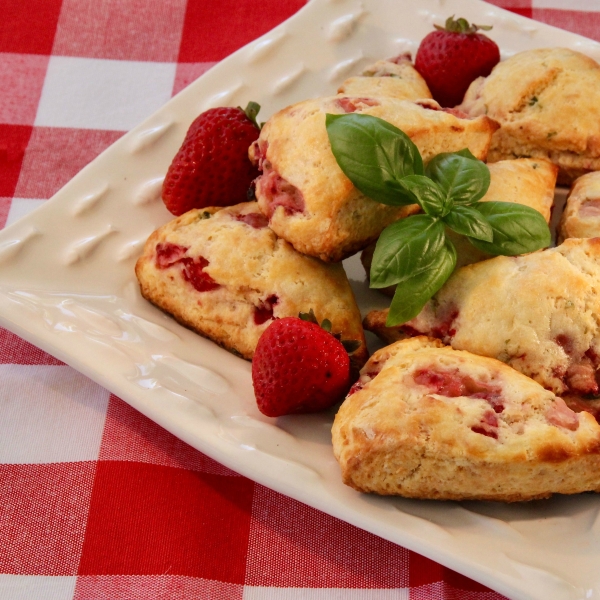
[466, 153]
[405, 248]
[427, 194]
[413, 292]
[374, 155]
[460, 175]
[468, 221]
[517, 229]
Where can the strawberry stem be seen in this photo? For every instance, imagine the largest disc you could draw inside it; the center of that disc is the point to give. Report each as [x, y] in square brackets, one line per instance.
[251, 112]
[349, 345]
[461, 25]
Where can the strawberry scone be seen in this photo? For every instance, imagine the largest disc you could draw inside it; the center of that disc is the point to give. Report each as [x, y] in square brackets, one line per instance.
[427, 421]
[538, 313]
[396, 78]
[305, 195]
[581, 217]
[546, 101]
[226, 275]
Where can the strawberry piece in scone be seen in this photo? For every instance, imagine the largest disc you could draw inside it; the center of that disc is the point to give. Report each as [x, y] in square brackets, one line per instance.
[226, 275]
[427, 421]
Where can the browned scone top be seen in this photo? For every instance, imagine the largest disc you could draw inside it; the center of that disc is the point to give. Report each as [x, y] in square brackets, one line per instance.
[538, 313]
[546, 101]
[305, 195]
[396, 78]
[581, 217]
[427, 421]
[228, 276]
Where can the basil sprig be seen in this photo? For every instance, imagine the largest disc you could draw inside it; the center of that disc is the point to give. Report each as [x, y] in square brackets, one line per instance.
[414, 253]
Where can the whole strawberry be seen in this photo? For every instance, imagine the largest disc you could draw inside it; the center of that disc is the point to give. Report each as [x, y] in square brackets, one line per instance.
[452, 57]
[212, 167]
[299, 367]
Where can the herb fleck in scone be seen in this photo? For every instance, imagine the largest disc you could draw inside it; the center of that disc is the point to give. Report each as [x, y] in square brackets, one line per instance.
[227, 276]
[581, 217]
[427, 421]
[305, 195]
[546, 101]
[538, 313]
[394, 78]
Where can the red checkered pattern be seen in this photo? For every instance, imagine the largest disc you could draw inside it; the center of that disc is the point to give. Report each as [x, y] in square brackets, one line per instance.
[96, 501]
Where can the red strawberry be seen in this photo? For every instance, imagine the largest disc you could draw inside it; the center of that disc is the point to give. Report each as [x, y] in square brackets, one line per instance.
[299, 367]
[450, 58]
[212, 167]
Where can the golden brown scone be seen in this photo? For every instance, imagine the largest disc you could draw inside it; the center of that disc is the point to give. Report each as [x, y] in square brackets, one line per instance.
[307, 198]
[228, 276]
[427, 421]
[395, 78]
[374, 322]
[546, 101]
[581, 217]
[526, 181]
[538, 313]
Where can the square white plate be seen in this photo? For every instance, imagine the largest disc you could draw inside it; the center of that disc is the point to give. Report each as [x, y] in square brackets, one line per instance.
[67, 285]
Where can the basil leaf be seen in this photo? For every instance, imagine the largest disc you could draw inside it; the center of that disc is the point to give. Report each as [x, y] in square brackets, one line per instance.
[405, 248]
[374, 155]
[468, 221]
[414, 292]
[460, 175]
[427, 194]
[517, 229]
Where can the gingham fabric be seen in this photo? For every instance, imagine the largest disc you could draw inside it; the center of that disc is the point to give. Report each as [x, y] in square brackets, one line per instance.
[96, 501]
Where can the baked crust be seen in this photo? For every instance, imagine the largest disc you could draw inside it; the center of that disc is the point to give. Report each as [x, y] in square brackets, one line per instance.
[581, 217]
[307, 198]
[546, 101]
[427, 421]
[394, 78]
[256, 277]
[538, 313]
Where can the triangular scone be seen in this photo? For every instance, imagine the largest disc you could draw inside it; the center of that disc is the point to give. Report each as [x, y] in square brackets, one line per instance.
[526, 181]
[305, 195]
[227, 276]
[427, 421]
[395, 78]
[538, 313]
[581, 217]
[546, 101]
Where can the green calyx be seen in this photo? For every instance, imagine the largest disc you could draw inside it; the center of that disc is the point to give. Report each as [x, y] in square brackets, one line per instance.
[349, 345]
[251, 111]
[461, 26]
[414, 253]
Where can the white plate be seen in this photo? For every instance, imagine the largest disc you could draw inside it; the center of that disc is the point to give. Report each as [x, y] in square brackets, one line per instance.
[67, 285]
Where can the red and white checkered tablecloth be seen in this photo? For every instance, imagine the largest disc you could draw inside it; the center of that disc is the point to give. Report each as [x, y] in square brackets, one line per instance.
[96, 501]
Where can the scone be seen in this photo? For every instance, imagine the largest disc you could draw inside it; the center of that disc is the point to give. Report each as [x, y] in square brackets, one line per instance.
[526, 181]
[546, 101]
[394, 78]
[305, 195]
[538, 313]
[227, 276]
[581, 217]
[427, 421]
